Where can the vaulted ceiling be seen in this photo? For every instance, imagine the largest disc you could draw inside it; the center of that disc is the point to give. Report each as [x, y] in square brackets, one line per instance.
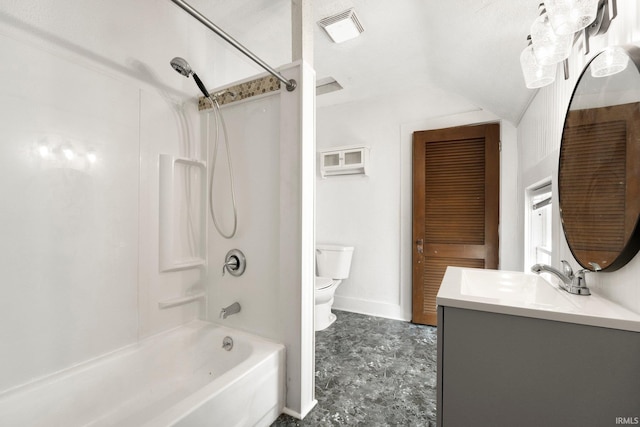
[467, 50]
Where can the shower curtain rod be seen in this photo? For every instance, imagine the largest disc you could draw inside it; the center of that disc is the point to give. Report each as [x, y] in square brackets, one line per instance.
[290, 84]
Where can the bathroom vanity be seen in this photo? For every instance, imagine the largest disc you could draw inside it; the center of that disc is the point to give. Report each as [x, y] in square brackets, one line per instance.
[515, 350]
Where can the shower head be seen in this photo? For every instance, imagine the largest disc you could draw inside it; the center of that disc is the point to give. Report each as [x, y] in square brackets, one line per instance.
[183, 67]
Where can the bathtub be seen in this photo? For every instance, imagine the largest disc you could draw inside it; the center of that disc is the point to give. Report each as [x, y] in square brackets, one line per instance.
[182, 377]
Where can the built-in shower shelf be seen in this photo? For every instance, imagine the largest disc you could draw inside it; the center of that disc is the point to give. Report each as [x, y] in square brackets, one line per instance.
[185, 264]
[173, 302]
[183, 184]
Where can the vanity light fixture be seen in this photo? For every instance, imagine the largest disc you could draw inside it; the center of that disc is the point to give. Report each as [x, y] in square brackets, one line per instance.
[559, 25]
[611, 61]
[570, 16]
[342, 26]
[549, 47]
[536, 74]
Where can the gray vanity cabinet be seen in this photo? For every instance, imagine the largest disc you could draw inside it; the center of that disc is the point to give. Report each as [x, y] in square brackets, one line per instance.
[503, 370]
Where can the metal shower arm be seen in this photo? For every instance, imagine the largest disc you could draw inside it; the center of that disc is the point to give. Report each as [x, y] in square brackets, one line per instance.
[290, 84]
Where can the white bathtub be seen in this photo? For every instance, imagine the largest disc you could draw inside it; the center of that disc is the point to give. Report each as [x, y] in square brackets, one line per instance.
[182, 377]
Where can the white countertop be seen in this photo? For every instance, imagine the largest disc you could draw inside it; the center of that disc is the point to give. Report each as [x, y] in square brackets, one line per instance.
[530, 295]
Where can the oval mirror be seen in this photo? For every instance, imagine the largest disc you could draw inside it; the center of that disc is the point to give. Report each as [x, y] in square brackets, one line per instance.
[599, 167]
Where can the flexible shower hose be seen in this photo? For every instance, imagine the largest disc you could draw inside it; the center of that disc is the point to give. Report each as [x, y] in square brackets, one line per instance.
[220, 121]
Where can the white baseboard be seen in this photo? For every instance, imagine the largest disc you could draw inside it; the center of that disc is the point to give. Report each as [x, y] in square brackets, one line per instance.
[371, 308]
[299, 415]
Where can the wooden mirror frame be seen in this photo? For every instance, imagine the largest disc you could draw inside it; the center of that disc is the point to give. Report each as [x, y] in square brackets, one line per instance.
[600, 151]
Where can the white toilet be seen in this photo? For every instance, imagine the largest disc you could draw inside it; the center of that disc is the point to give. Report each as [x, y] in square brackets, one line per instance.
[333, 263]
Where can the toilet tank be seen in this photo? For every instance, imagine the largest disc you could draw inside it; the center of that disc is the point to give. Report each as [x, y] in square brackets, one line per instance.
[334, 261]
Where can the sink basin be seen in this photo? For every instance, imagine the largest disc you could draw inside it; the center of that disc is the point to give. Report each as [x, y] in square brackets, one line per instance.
[514, 288]
[529, 295]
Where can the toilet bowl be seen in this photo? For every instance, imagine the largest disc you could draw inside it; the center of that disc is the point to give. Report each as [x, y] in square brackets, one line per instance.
[333, 263]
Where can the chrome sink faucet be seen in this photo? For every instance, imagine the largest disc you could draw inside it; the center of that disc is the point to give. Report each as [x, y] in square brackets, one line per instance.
[228, 311]
[574, 283]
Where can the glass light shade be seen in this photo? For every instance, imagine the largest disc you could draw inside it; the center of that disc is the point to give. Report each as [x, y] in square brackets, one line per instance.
[570, 16]
[549, 47]
[610, 61]
[535, 74]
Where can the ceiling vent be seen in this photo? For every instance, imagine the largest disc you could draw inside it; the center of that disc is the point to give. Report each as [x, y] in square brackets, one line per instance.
[342, 26]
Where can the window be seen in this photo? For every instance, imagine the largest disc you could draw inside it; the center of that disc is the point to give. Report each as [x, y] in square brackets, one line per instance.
[539, 247]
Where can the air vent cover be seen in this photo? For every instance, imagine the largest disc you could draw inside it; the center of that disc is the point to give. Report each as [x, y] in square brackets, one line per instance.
[342, 26]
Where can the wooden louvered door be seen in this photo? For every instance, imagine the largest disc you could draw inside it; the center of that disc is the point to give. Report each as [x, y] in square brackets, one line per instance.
[456, 182]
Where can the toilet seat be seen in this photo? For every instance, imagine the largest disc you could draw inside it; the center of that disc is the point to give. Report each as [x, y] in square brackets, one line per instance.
[323, 283]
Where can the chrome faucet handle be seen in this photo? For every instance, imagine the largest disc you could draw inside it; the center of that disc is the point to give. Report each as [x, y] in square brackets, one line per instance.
[566, 269]
[580, 273]
[579, 283]
[232, 265]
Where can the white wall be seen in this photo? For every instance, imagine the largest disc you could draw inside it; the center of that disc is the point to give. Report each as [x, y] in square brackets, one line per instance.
[539, 135]
[374, 213]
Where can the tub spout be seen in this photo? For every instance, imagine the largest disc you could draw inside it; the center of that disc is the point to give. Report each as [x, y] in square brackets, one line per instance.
[228, 311]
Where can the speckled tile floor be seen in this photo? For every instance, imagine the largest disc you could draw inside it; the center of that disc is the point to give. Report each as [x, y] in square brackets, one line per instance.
[372, 371]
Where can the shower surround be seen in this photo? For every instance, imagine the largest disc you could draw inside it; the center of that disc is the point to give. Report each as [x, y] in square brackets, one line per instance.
[89, 105]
